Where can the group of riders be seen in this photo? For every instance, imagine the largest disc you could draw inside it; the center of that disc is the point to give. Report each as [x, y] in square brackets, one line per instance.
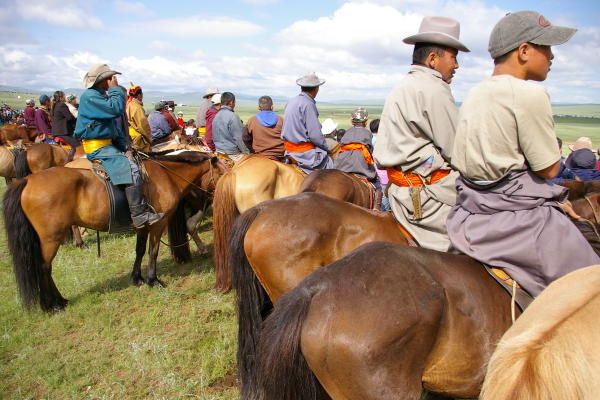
[474, 180]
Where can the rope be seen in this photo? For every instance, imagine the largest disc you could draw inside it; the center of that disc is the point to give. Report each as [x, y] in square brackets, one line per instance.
[513, 301]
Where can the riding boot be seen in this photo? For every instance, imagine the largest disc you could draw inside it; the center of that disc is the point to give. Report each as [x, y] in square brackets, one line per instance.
[141, 214]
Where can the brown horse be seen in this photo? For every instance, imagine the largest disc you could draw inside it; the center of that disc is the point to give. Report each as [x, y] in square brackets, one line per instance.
[384, 322]
[32, 159]
[551, 352]
[16, 134]
[578, 189]
[588, 207]
[258, 179]
[35, 234]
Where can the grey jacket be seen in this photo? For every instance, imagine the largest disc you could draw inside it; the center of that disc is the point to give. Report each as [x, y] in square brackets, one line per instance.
[227, 132]
[353, 161]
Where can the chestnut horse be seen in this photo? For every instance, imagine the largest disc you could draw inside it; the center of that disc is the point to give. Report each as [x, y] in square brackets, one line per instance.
[16, 134]
[551, 352]
[35, 158]
[39, 209]
[256, 179]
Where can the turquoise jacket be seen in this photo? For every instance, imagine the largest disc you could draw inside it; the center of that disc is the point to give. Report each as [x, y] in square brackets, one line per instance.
[96, 119]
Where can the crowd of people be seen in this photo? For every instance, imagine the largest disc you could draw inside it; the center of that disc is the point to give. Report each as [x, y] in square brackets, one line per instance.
[449, 174]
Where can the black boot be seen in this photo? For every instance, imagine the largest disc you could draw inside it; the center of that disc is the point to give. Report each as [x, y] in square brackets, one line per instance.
[141, 214]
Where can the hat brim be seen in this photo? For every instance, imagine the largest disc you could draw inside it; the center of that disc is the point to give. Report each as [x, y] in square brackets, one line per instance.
[436, 38]
[299, 82]
[554, 35]
[104, 75]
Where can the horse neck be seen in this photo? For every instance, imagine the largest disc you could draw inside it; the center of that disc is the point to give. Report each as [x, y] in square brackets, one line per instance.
[184, 175]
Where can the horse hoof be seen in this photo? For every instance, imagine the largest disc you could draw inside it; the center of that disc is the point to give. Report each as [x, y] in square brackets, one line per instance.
[155, 281]
[83, 246]
[137, 280]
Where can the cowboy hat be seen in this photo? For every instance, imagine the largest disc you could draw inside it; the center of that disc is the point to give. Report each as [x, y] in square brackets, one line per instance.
[310, 80]
[583, 142]
[328, 126]
[438, 30]
[98, 73]
[210, 91]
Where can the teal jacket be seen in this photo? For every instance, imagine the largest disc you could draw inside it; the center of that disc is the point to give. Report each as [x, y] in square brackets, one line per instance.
[96, 119]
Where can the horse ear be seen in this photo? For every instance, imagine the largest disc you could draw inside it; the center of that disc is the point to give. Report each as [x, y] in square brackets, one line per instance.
[214, 160]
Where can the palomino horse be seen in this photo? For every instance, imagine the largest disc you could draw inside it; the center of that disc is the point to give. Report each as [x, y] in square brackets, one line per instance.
[384, 322]
[551, 352]
[305, 232]
[257, 179]
[35, 234]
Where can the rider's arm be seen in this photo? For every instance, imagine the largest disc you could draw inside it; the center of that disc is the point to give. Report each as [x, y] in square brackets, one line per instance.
[313, 126]
[108, 107]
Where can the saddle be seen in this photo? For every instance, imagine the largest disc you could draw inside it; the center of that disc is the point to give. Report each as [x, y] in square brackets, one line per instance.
[119, 216]
[521, 297]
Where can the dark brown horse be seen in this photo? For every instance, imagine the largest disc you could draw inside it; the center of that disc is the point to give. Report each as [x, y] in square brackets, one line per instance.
[384, 322]
[578, 189]
[588, 207]
[74, 197]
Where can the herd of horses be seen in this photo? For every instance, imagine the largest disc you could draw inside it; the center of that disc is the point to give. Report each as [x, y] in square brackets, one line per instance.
[334, 299]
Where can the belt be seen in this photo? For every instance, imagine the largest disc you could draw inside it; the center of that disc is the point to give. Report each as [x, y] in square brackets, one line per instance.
[410, 179]
[360, 147]
[91, 145]
[202, 129]
[133, 133]
[298, 147]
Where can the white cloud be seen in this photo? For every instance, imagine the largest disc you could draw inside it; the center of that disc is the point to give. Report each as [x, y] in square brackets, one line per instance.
[66, 13]
[135, 8]
[201, 26]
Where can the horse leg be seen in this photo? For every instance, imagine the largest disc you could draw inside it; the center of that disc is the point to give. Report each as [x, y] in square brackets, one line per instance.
[77, 240]
[155, 235]
[140, 248]
[50, 297]
[192, 225]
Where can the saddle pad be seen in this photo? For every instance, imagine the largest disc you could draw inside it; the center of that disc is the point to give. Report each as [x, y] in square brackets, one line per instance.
[522, 298]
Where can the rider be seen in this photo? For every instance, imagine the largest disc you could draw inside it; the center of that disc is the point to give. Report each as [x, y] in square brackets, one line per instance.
[301, 133]
[139, 128]
[355, 153]
[416, 134]
[506, 214]
[100, 105]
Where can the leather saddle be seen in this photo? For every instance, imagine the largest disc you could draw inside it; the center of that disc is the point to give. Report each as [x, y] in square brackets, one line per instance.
[119, 219]
[522, 298]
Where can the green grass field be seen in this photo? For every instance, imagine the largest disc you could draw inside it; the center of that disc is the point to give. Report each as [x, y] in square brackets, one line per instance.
[117, 341]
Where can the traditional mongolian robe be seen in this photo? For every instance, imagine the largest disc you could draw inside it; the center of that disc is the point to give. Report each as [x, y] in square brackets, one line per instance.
[506, 216]
[139, 128]
[102, 139]
[29, 115]
[227, 133]
[42, 121]
[415, 138]
[302, 135]
[355, 153]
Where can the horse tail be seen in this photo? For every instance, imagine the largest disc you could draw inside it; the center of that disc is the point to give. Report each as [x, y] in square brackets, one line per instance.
[253, 303]
[21, 166]
[545, 354]
[224, 213]
[177, 231]
[24, 245]
[282, 371]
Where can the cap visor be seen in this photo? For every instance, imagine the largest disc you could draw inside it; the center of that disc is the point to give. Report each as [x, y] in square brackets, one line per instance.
[554, 35]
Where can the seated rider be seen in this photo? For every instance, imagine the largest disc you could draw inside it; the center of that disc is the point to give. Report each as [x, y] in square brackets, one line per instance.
[100, 105]
[159, 125]
[507, 215]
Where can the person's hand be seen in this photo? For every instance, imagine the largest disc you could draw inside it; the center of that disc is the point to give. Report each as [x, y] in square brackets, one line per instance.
[567, 207]
[112, 82]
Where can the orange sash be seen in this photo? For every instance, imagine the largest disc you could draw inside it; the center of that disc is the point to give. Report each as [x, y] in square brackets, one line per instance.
[361, 147]
[409, 179]
[297, 147]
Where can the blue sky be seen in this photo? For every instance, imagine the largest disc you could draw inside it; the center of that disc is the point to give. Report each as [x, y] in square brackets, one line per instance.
[260, 47]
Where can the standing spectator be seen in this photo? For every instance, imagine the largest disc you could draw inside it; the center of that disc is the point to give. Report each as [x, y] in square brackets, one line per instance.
[72, 104]
[263, 131]
[159, 126]
[227, 131]
[29, 113]
[63, 122]
[42, 117]
[180, 121]
[139, 128]
[210, 116]
[205, 104]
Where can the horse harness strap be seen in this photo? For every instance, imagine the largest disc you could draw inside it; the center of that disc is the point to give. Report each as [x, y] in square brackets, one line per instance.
[594, 208]
[519, 296]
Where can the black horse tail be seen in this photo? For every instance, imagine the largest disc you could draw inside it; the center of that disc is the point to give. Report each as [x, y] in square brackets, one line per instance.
[20, 163]
[24, 245]
[252, 301]
[177, 231]
[282, 371]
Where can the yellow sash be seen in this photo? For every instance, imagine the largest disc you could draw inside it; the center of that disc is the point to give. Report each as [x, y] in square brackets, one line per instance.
[91, 145]
[133, 133]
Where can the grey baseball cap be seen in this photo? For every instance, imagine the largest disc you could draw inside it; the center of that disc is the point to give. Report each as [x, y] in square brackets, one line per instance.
[525, 26]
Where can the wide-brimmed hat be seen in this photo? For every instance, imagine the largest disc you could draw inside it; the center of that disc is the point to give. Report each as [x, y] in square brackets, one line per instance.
[438, 30]
[210, 91]
[328, 126]
[360, 115]
[521, 27]
[310, 80]
[160, 105]
[216, 99]
[98, 73]
[583, 142]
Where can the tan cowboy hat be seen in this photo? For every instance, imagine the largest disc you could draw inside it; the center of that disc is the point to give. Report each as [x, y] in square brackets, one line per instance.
[96, 74]
[310, 80]
[583, 142]
[210, 91]
[438, 30]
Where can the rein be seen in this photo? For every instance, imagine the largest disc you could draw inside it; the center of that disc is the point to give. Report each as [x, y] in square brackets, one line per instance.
[594, 209]
[184, 179]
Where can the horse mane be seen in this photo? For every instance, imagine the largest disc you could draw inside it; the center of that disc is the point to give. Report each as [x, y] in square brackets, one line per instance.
[546, 353]
[189, 157]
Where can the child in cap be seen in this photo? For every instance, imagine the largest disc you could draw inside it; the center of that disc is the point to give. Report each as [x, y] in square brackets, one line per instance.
[507, 215]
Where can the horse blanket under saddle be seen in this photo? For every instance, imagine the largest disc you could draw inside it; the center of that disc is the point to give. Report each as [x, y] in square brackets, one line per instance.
[517, 225]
